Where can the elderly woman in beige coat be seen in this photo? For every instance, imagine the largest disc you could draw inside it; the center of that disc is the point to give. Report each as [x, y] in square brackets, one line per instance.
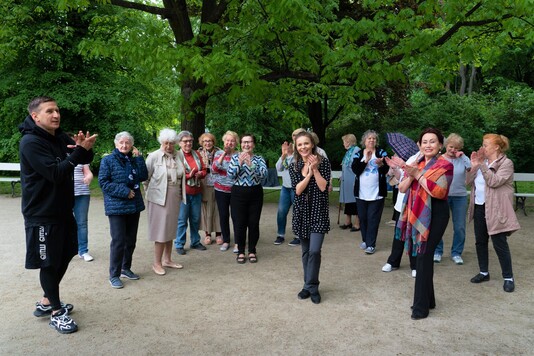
[165, 190]
[491, 206]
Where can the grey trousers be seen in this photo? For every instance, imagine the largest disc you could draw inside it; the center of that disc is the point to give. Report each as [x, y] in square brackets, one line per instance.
[311, 261]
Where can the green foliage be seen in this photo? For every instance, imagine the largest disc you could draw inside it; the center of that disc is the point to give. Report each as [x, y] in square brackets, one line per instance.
[97, 94]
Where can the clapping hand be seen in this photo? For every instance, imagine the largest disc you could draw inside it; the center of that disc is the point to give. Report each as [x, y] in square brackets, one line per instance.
[477, 157]
[84, 140]
[285, 148]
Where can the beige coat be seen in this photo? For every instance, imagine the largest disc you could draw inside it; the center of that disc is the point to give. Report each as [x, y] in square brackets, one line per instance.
[499, 196]
[156, 184]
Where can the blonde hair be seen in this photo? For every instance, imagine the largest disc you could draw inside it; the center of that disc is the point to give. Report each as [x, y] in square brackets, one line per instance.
[350, 138]
[498, 140]
[231, 133]
[297, 131]
[208, 135]
[455, 140]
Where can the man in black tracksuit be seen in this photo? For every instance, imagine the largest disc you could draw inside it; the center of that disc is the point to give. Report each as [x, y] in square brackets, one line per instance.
[47, 160]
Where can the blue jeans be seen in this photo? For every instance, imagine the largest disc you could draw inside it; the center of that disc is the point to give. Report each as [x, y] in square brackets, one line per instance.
[81, 209]
[458, 207]
[287, 196]
[191, 212]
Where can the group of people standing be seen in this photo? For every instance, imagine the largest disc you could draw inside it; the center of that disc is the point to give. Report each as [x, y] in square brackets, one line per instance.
[430, 185]
[204, 188]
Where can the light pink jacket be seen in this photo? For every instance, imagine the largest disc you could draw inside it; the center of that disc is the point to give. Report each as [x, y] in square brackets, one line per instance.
[499, 195]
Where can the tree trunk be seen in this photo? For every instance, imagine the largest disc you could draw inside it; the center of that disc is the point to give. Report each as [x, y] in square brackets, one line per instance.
[463, 80]
[472, 78]
[193, 109]
[315, 114]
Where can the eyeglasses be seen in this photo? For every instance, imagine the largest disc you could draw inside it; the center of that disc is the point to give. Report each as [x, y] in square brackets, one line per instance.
[187, 141]
[246, 142]
[207, 140]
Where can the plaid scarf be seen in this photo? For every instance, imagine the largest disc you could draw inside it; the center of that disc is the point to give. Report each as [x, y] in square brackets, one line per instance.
[414, 223]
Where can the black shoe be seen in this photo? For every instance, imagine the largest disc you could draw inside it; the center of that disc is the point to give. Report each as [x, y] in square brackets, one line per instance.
[180, 251]
[508, 286]
[316, 298]
[62, 322]
[345, 227]
[354, 228]
[295, 242]
[479, 278]
[279, 240]
[304, 294]
[199, 247]
[418, 317]
[46, 310]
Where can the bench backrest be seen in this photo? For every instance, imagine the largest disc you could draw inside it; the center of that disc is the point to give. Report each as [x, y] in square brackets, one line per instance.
[523, 177]
[14, 167]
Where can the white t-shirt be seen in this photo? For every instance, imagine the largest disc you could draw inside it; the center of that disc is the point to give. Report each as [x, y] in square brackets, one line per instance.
[400, 196]
[369, 181]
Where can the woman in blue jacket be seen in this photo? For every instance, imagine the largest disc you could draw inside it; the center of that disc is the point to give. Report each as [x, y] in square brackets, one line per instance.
[120, 177]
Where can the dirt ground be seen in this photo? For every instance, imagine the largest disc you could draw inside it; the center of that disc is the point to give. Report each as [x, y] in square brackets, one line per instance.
[215, 306]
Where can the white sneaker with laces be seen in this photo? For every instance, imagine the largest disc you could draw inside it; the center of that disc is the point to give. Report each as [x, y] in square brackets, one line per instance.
[437, 258]
[363, 246]
[414, 273]
[387, 268]
[87, 257]
[458, 260]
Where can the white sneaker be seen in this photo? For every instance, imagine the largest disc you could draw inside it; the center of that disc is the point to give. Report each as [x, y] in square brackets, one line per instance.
[458, 260]
[437, 258]
[236, 250]
[387, 268]
[363, 246]
[414, 273]
[86, 257]
[390, 222]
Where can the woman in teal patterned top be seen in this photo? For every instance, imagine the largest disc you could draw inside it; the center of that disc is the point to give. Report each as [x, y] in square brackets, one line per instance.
[246, 202]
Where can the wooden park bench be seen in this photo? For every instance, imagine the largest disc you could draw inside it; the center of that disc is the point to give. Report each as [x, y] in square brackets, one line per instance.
[521, 197]
[10, 167]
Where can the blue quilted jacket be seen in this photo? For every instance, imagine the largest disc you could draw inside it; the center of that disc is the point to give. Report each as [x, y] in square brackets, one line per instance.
[113, 180]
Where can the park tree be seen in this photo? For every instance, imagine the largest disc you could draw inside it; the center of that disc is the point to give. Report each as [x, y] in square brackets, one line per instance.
[39, 55]
[315, 58]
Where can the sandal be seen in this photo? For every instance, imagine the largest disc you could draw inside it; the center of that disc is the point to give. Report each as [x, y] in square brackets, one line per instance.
[219, 240]
[252, 258]
[207, 240]
[241, 259]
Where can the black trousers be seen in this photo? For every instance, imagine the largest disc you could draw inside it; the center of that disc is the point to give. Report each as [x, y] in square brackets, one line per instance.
[424, 298]
[370, 213]
[500, 244]
[246, 204]
[223, 205]
[123, 230]
[397, 250]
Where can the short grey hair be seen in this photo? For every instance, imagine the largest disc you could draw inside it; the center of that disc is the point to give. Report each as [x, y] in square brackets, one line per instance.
[167, 135]
[367, 134]
[183, 134]
[122, 135]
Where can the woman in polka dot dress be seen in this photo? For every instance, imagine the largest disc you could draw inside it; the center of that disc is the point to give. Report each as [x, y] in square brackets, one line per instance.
[310, 177]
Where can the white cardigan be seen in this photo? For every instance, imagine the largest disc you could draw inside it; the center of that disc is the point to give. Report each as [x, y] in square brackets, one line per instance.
[156, 184]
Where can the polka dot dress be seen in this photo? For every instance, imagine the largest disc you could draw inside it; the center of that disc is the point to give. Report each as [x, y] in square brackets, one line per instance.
[311, 208]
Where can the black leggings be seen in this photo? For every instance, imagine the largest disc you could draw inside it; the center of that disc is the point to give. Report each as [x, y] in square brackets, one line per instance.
[50, 278]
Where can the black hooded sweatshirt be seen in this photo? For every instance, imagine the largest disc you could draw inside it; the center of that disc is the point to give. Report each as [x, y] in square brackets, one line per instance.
[46, 173]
